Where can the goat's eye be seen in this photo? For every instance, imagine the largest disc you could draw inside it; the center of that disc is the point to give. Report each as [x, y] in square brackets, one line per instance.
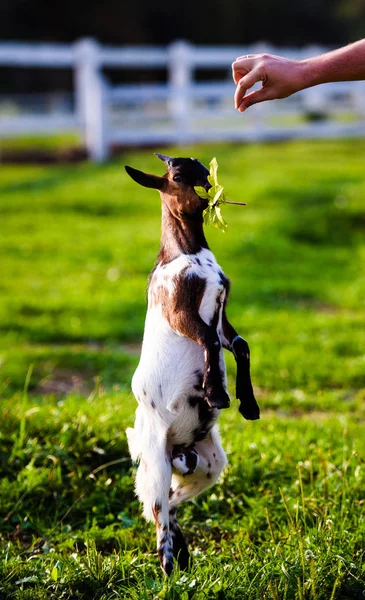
[177, 178]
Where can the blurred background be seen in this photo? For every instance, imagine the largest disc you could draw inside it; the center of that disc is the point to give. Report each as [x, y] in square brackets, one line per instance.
[143, 22]
[137, 73]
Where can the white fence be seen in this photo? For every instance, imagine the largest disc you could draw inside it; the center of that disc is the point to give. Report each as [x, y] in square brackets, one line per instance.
[183, 109]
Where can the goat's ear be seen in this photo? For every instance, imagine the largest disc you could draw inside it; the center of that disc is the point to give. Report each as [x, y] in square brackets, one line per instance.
[150, 181]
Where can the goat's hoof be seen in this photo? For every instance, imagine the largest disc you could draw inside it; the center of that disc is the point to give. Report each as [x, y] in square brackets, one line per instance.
[184, 560]
[218, 400]
[181, 552]
[166, 562]
[168, 568]
[250, 411]
[184, 460]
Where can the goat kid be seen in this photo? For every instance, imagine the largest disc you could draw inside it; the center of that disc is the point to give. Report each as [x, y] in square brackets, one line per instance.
[180, 382]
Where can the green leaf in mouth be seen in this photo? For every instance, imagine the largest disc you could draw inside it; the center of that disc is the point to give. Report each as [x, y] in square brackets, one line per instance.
[216, 197]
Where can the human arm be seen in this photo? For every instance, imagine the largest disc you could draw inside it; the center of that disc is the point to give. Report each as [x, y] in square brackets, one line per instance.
[282, 77]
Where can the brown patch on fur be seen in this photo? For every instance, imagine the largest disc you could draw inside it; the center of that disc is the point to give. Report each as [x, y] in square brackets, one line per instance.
[181, 201]
[181, 308]
[183, 314]
[158, 295]
[156, 509]
[182, 224]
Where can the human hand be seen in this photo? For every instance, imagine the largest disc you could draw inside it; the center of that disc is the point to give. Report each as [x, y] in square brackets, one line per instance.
[280, 78]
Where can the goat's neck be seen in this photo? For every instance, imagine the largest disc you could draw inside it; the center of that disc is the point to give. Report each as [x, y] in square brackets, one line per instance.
[180, 236]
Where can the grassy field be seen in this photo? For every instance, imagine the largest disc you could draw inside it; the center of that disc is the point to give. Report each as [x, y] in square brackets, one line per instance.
[287, 518]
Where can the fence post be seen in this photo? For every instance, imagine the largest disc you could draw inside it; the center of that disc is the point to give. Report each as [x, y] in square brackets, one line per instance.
[90, 98]
[180, 68]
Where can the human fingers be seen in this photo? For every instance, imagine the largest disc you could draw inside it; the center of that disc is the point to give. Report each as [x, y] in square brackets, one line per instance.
[241, 66]
[255, 97]
[245, 83]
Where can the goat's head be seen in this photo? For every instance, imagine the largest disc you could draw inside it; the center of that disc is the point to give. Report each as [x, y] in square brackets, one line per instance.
[176, 187]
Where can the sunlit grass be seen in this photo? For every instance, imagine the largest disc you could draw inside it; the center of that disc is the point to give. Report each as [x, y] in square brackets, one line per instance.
[76, 246]
[61, 141]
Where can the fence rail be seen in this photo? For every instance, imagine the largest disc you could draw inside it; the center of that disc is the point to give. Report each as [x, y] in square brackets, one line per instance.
[182, 110]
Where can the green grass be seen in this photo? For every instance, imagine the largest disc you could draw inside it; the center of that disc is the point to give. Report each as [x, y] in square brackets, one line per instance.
[287, 518]
[58, 141]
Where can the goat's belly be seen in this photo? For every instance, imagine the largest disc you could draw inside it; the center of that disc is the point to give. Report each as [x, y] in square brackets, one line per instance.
[168, 382]
[171, 376]
[193, 422]
[170, 367]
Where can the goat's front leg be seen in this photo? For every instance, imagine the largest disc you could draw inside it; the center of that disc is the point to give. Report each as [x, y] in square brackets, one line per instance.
[184, 318]
[248, 408]
[194, 327]
[215, 393]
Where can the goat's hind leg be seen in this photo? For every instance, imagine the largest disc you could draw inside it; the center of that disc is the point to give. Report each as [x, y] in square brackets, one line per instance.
[195, 469]
[209, 463]
[153, 481]
[179, 547]
[184, 461]
[164, 537]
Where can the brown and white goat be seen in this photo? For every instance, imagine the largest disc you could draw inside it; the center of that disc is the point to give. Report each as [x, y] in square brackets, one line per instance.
[180, 382]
